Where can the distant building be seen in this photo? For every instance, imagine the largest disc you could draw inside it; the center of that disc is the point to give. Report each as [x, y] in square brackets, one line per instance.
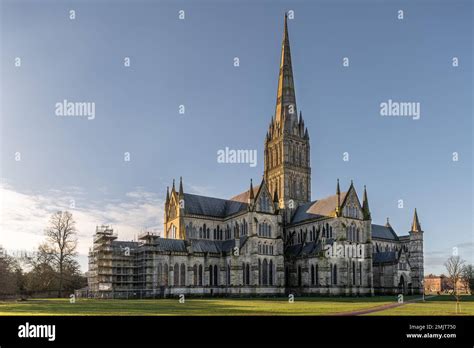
[269, 240]
[442, 284]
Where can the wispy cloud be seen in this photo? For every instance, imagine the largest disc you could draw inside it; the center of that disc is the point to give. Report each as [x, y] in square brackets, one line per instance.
[435, 259]
[200, 189]
[24, 215]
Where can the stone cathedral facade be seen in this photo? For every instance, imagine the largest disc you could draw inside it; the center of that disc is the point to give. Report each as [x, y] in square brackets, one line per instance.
[269, 240]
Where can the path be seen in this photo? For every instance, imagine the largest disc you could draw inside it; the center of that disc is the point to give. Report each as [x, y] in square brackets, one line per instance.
[382, 307]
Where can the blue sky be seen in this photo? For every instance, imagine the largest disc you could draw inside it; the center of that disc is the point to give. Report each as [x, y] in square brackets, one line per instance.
[190, 62]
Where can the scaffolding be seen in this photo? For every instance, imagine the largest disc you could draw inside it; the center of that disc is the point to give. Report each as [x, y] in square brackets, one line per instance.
[120, 269]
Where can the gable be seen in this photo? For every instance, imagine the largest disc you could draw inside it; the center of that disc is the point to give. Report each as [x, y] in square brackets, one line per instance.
[173, 207]
[263, 200]
[351, 206]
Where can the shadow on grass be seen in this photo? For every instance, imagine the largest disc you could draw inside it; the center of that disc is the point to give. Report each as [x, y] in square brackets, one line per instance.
[464, 298]
[194, 306]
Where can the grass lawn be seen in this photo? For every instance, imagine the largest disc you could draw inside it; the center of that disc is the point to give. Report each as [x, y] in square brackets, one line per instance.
[193, 306]
[440, 305]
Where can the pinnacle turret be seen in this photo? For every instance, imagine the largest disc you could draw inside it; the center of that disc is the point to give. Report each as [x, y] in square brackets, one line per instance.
[365, 205]
[415, 226]
[181, 191]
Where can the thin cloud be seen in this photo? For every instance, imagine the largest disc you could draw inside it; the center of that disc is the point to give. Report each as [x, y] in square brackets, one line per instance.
[25, 215]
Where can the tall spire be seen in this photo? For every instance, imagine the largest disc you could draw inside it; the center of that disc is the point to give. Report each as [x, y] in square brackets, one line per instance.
[338, 193]
[415, 226]
[167, 194]
[365, 205]
[285, 111]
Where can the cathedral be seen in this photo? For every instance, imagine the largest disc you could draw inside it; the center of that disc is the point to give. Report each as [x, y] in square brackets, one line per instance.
[270, 240]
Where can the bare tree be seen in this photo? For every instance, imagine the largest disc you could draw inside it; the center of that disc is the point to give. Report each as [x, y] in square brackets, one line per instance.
[9, 272]
[59, 249]
[468, 277]
[455, 266]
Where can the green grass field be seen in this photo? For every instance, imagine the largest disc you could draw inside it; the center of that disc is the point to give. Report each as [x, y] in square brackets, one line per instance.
[439, 305]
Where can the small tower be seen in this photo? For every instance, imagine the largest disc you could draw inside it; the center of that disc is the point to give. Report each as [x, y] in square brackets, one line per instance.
[174, 212]
[365, 206]
[181, 191]
[416, 254]
[251, 200]
[167, 203]
[338, 206]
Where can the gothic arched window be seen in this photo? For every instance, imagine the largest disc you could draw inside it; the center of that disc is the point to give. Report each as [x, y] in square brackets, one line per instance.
[247, 274]
[270, 273]
[353, 273]
[182, 280]
[200, 275]
[165, 274]
[317, 275]
[195, 275]
[216, 275]
[176, 275]
[265, 272]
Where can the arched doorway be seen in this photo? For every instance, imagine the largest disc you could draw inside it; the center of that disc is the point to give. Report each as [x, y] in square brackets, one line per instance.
[402, 286]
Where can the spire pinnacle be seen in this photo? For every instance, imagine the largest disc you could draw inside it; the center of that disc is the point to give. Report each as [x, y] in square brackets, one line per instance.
[286, 101]
[173, 188]
[365, 205]
[167, 194]
[181, 191]
[388, 223]
[251, 196]
[338, 193]
[415, 226]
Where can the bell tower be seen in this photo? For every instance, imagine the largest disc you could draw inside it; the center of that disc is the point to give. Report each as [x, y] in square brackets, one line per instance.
[287, 150]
